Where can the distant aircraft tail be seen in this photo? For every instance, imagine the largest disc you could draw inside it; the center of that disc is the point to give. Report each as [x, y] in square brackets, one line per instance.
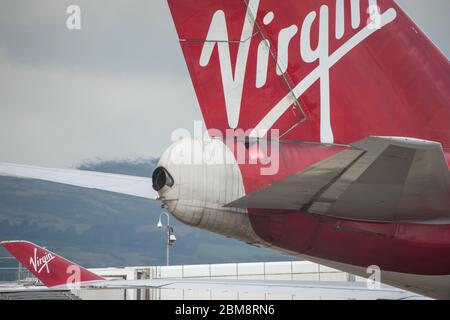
[51, 269]
[331, 71]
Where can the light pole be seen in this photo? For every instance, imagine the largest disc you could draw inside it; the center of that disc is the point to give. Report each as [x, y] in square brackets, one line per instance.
[170, 236]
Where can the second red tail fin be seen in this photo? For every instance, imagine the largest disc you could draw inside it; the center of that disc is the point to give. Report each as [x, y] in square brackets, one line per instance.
[51, 269]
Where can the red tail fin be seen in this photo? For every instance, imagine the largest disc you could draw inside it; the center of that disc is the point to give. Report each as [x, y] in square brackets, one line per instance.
[51, 269]
[318, 70]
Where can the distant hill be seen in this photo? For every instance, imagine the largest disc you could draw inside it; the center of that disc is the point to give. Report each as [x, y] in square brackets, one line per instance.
[100, 229]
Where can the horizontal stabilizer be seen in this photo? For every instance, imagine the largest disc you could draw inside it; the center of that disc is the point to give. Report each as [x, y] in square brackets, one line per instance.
[378, 179]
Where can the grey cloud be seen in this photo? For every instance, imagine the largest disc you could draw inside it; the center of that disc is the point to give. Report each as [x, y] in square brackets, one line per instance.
[116, 36]
[60, 118]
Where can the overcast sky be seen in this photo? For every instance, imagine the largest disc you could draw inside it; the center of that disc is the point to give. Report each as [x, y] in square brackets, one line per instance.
[117, 88]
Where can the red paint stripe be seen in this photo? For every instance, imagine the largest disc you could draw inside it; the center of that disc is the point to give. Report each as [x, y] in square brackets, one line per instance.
[398, 247]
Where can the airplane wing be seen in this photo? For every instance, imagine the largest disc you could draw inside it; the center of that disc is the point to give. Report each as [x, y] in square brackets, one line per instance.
[118, 183]
[378, 179]
[58, 273]
[329, 290]
[305, 290]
